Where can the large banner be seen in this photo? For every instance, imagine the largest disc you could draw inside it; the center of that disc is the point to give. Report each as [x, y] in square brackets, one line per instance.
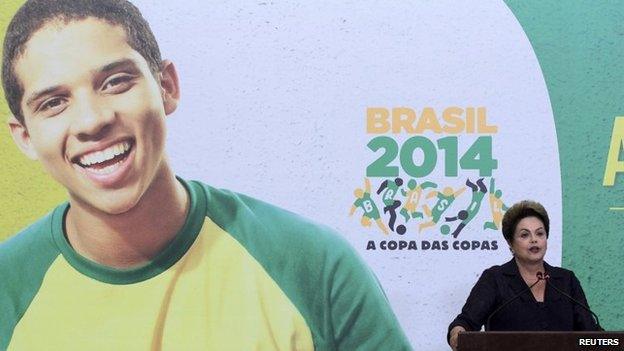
[423, 127]
[407, 128]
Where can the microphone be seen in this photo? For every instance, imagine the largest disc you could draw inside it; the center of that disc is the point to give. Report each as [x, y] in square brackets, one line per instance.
[539, 275]
[547, 279]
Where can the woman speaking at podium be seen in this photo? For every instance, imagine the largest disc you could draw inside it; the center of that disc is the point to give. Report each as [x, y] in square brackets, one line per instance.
[526, 293]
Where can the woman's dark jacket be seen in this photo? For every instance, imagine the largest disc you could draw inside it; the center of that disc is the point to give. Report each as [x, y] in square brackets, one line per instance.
[498, 284]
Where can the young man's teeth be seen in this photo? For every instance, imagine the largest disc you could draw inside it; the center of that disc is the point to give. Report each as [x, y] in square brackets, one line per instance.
[105, 155]
[106, 170]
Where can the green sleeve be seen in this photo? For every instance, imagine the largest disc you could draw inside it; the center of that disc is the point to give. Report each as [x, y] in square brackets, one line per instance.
[360, 312]
[24, 261]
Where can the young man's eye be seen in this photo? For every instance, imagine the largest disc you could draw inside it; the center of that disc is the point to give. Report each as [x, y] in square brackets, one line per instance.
[52, 106]
[117, 84]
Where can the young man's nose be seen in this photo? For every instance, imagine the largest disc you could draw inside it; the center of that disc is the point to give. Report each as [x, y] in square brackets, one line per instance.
[92, 119]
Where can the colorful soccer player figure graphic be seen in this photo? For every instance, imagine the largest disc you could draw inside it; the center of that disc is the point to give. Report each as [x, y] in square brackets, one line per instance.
[390, 189]
[367, 205]
[478, 193]
[445, 199]
[412, 199]
[497, 206]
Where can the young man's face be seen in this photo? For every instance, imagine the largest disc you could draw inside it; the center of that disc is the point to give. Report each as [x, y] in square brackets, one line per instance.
[94, 113]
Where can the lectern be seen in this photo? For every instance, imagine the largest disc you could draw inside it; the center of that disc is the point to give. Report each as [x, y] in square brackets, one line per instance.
[538, 341]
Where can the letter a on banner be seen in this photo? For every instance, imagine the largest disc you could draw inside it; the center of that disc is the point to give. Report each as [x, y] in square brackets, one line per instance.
[614, 165]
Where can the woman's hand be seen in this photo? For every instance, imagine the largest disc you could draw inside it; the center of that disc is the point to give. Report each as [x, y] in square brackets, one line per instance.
[454, 335]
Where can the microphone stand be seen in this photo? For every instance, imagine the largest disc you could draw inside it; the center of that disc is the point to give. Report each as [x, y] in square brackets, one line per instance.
[539, 275]
[546, 277]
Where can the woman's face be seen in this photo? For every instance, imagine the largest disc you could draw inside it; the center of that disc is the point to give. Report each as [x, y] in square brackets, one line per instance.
[529, 242]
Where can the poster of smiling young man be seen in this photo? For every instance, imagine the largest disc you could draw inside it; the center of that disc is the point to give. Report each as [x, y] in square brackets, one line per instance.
[406, 129]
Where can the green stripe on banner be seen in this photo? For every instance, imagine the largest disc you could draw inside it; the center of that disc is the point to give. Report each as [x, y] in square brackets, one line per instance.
[27, 191]
[580, 47]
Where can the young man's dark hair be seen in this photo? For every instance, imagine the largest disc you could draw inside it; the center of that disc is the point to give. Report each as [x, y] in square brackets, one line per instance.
[36, 13]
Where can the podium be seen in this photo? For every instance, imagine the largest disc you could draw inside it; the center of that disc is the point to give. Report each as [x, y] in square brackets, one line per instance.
[538, 341]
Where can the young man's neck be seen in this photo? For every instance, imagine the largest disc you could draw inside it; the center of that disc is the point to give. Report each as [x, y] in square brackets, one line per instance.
[136, 236]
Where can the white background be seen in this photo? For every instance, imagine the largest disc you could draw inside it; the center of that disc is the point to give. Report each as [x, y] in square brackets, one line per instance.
[273, 104]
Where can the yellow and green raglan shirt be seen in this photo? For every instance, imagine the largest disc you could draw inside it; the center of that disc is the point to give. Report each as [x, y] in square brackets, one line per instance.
[240, 275]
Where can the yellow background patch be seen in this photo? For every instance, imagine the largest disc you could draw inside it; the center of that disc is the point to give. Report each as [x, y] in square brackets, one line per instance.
[27, 191]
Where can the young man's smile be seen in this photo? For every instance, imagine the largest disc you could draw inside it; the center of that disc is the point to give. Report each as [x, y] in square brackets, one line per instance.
[107, 166]
[94, 112]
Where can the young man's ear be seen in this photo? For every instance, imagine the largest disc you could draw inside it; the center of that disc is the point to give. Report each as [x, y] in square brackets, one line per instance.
[21, 137]
[170, 86]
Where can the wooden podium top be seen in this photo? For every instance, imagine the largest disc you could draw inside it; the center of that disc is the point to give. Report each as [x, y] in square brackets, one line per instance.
[537, 341]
